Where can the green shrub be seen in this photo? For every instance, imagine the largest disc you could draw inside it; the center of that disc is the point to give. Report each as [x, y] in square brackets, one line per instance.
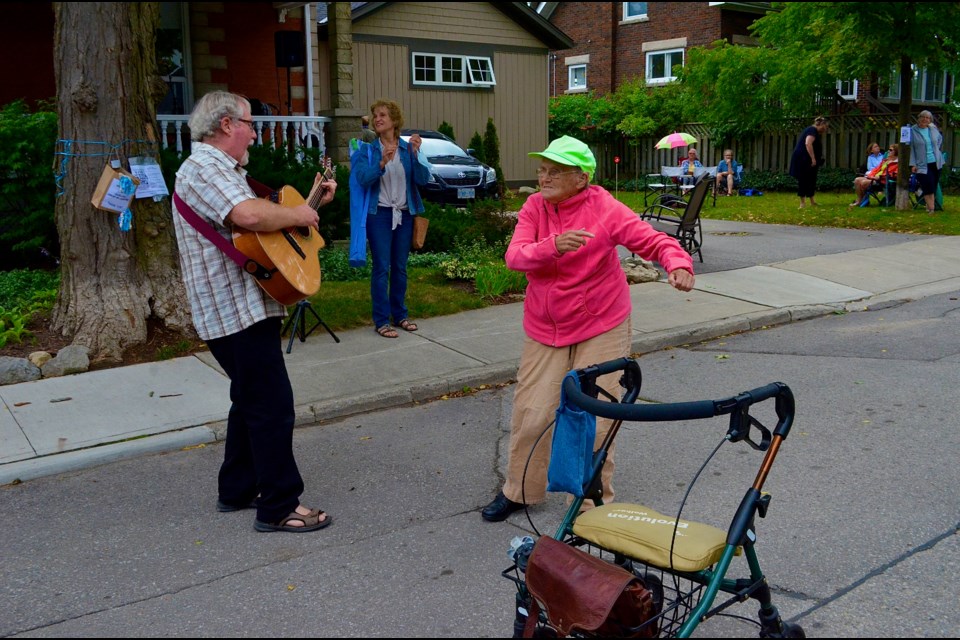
[828, 179]
[491, 150]
[23, 294]
[28, 230]
[476, 143]
[447, 129]
[495, 279]
[468, 256]
[20, 287]
[335, 266]
[449, 225]
[13, 326]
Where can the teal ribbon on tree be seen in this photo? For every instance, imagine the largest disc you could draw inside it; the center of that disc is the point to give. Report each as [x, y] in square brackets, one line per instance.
[127, 188]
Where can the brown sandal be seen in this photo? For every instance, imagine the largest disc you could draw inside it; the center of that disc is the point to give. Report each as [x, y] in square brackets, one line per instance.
[311, 522]
[406, 325]
[387, 331]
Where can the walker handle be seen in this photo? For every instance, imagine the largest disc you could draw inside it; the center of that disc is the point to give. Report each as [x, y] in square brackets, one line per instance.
[676, 411]
[631, 379]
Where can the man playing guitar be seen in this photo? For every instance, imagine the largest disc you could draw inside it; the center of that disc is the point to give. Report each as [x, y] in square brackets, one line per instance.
[238, 320]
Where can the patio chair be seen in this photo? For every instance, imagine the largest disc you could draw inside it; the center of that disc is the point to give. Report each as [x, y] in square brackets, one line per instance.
[682, 220]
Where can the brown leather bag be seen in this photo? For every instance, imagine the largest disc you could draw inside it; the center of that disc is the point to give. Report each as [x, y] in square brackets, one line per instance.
[580, 591]
[420, 225]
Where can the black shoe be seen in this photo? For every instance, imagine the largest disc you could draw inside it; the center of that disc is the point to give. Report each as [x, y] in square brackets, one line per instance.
[500, 508]
[223, 507]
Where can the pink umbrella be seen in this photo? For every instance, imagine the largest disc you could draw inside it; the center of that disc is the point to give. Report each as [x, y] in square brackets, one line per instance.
[674, 140]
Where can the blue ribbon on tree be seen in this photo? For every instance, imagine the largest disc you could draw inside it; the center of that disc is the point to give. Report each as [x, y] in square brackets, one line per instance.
[127, 188]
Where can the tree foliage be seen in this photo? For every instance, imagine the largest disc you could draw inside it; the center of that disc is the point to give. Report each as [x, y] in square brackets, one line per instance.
[476, 143]
[28, 232]
[818, 42]
[447, 129]
[853, 39]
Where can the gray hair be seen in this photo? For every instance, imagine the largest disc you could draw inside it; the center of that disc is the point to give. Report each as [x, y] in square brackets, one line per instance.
[210, 109]
[925, 113]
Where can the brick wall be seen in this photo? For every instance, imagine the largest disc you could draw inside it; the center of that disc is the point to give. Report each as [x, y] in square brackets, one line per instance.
[243, 35]
[615, 47]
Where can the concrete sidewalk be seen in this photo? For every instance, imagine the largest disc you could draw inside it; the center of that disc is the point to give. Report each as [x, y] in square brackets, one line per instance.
[59, 424]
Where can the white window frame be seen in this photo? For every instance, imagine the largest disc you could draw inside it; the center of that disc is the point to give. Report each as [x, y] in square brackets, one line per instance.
[475, 71]
[854, 84]
[920, 81]
[667, 53]
[571, 75]
[482, 77]
[637, 17]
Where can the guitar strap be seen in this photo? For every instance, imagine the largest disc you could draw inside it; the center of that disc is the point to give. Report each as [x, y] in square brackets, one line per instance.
[249, 265]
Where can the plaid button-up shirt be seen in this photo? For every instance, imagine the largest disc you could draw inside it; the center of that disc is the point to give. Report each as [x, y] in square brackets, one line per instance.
[223, 298]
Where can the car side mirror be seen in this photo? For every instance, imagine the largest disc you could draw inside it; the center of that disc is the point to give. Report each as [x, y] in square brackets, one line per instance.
[471, 153]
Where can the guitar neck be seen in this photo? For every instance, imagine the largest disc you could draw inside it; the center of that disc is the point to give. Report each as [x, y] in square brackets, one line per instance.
[316, 194]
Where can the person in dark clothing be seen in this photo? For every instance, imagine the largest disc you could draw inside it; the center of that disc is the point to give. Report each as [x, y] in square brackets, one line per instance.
[807, 159]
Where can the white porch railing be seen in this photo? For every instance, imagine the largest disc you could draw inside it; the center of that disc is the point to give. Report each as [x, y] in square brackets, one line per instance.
[280, 131]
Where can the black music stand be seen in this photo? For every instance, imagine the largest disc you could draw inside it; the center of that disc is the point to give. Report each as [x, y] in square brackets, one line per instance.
[299, 322]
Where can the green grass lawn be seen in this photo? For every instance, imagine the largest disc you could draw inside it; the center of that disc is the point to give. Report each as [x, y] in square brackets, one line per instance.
[346, 305]
[783, 208]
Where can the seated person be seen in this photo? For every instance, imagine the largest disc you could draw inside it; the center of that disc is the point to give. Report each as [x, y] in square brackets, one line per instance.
[688, 166]
[884, 171]
[728, 173]
[874, 157]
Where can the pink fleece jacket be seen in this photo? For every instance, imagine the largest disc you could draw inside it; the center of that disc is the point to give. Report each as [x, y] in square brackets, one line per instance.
[579, 295]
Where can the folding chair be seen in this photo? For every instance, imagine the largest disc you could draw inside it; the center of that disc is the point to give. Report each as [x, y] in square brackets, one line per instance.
[682, 220]
[721, 189]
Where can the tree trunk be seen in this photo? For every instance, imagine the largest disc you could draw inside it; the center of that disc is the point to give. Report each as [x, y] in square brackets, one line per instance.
[903, 156]
[112, 282]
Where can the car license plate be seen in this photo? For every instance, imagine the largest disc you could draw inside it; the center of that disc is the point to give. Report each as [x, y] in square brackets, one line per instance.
[466, 194]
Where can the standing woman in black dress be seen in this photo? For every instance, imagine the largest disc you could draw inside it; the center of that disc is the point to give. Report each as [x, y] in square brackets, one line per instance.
[807, 159]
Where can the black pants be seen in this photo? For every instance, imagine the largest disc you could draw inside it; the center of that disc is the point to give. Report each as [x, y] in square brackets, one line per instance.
[807, 182]
[258, 457]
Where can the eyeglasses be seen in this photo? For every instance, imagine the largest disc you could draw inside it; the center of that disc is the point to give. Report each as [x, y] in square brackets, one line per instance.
[553, 173]
[249, 123]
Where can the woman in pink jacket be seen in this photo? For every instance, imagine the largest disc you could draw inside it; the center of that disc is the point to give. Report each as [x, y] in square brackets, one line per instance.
[577, 307]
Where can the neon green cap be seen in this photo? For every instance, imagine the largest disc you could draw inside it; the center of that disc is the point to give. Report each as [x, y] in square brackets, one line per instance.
[571, 152]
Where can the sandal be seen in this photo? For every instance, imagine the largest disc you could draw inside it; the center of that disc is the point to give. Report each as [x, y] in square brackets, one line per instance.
[311, 522]
[406, 325]
[387, 331]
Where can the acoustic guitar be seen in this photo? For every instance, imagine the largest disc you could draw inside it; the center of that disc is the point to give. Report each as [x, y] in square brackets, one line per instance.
[289, 255]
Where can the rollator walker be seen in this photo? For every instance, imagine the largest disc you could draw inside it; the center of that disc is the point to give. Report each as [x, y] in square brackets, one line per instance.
[625, 570]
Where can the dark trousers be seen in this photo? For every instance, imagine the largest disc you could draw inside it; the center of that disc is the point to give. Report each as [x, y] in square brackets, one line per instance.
[390, 249]
[807, 182]
[258, 456]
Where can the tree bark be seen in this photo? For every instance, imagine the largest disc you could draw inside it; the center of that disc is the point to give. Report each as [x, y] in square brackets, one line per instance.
[112, 282]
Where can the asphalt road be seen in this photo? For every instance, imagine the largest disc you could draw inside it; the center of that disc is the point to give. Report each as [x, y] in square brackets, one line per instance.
[860, 541]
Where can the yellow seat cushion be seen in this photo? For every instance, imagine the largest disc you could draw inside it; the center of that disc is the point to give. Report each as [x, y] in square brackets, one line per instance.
[641, 533]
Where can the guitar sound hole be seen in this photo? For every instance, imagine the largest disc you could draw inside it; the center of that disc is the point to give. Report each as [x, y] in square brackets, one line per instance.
[303, 231]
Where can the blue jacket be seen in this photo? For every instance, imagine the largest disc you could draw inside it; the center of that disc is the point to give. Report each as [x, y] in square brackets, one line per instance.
[737, 169]
[368, 175]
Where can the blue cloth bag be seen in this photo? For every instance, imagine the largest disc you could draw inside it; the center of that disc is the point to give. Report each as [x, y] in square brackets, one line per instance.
[571, 454]
[359, 207]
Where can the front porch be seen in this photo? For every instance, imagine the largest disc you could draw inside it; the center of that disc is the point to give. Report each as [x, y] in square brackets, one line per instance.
[293, 132]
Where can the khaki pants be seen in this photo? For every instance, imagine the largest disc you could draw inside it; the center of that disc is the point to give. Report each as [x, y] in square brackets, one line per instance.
[535, 404]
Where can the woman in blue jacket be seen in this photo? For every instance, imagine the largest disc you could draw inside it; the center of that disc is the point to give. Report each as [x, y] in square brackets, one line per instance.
[392, 174]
